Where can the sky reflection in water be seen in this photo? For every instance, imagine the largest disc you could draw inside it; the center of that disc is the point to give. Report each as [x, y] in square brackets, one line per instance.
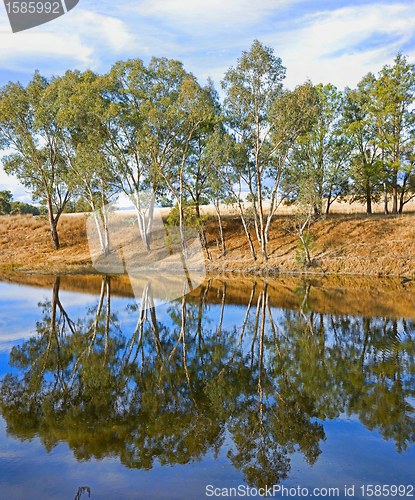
[141, 403]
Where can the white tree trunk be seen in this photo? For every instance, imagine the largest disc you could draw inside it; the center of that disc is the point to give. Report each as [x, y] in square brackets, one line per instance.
[104, 250]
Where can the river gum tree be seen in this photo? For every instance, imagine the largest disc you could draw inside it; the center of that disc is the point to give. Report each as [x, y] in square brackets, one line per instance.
[29, 134]
[393, 98]
[251, 89]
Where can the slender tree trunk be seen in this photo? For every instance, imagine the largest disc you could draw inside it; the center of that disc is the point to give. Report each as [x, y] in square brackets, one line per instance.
[106, 231]
[257, 229]
[256, 220]
[182, 231]
[203, 240]
[197, 206]
[222, 239]
[104, 249]
[251, 246]
[142, 226]
[105, 218]
[150, 219]
[386, 198]
[261, 224]
[55, 237]
[328, 203]
[260, 203]
[53, 225]
[368, 198]
[402, 195]
[401, 203]
[368, 203]
[270, 214]
[395, 193]
[180, 200]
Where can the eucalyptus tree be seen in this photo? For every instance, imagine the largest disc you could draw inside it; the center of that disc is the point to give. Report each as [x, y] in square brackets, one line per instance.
[251, 89]
[127, 91]
[293, 114]
[139, 123]
[176, 112]
[197, 181]
[393, 97]
[74, 101]
[320, 156]
[217, 194]
[145, 121]
[30, 134]
[228, 161]
[100, 117]
[366, 169]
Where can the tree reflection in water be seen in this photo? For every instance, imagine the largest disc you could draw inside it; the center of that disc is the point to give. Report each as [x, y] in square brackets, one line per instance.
[171, 391]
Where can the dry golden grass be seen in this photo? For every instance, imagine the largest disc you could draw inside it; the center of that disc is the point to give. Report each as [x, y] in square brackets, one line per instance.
[343, 243]
[347, 244]
[25, 243]
[336, 208]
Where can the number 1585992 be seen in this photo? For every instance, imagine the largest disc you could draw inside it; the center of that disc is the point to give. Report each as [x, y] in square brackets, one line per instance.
[387, 490]
[33, 7]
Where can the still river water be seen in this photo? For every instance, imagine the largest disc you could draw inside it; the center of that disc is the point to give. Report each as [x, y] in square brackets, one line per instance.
[242, 384]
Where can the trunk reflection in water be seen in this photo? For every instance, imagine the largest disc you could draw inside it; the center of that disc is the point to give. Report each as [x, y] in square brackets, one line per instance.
[186, 384]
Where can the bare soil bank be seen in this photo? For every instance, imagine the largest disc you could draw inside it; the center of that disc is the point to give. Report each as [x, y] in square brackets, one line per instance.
[356, 244]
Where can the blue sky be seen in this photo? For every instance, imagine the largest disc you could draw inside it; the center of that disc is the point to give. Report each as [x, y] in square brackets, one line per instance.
[326, 41]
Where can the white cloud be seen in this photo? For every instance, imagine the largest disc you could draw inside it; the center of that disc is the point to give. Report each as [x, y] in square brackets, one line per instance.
[16, 49]
[191, 16]
[11, 183]
[326, 46]
[110, 32]
[333, 46]
[209, 35]
[76, 38]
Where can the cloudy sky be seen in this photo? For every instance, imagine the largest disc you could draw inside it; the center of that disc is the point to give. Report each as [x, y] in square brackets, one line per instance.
[326, 41]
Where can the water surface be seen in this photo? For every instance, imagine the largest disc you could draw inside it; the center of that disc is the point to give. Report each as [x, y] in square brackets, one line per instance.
[243, 383]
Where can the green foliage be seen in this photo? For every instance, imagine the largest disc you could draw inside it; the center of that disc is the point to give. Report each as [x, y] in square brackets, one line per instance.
[320, 156]
[165, 201]
[18, 207]
[393, 96]
[191, 218]
[8, 206]
[76, 141]
[170, 392]
[252, 88]
[5, 202]
[305, 247]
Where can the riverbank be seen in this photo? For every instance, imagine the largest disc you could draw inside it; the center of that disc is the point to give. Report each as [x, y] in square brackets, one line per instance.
[352, 244]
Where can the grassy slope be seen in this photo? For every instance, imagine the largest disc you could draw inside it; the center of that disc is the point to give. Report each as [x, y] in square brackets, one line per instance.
[343, 243]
